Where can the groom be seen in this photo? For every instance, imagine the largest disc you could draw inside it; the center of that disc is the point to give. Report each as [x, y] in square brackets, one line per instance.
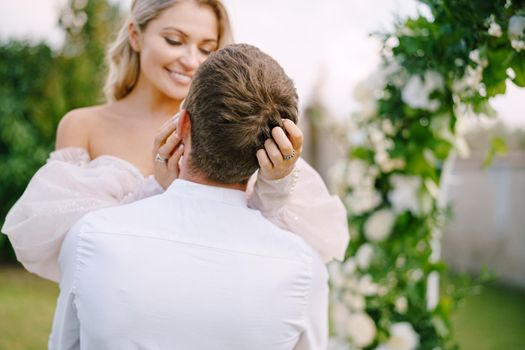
[195, 268]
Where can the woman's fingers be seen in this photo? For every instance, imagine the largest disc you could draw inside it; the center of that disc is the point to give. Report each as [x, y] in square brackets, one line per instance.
[273, 152]
[167, 149]
[295, 135]
[168, 128]
[173, 161]
[264, 161]
[282, 141]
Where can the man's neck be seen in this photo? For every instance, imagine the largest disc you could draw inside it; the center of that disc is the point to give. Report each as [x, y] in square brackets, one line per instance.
[200, 179]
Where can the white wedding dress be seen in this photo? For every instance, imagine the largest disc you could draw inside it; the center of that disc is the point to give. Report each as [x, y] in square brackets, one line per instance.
[71, 185]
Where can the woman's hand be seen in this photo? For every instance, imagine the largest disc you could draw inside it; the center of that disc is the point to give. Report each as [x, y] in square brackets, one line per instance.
[167, 151]
[277, 158]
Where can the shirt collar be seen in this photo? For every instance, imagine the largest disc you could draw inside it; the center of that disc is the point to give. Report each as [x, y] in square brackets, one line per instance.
[181, 187]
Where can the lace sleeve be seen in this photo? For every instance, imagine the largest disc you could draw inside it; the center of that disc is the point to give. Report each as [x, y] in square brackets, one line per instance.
[59, 194]
[300, 203]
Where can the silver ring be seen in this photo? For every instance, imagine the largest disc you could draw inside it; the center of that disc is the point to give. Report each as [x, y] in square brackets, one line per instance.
[160, 159]
[290, 156]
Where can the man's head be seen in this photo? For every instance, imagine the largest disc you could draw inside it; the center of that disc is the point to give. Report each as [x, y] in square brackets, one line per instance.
[237, 96]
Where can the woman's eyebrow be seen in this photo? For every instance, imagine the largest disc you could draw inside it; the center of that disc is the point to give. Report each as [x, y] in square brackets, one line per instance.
[177, 30]
[186, 35]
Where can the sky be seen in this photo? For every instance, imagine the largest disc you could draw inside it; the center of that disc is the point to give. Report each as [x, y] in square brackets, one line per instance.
[318, 42]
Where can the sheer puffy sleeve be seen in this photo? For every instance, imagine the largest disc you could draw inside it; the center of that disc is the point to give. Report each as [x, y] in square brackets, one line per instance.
[301, 203]
[68, 186]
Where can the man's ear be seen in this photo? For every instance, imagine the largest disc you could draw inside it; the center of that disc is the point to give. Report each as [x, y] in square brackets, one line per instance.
[184, 127]
[134, 36]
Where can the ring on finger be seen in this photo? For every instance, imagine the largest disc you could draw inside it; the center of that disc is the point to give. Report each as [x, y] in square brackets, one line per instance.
[160, 159]
[290, 156]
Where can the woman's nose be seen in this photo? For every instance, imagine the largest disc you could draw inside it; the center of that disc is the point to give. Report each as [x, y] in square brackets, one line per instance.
[190, 59]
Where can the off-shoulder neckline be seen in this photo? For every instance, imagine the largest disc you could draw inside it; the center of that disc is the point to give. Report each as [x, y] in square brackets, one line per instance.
[127, 164]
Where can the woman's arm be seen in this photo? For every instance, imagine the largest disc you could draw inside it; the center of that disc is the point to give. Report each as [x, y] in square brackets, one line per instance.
[298, 201]
[63, 190]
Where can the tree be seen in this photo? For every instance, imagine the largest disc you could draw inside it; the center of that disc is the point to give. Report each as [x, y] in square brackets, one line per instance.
[38, 86]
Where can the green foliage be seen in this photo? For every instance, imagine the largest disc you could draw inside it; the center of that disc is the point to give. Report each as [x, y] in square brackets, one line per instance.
[38, 86]
[497, 146]
[434, 68]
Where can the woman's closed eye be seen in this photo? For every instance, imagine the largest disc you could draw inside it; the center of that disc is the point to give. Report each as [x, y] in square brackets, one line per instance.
[173, 42]
[205, 51]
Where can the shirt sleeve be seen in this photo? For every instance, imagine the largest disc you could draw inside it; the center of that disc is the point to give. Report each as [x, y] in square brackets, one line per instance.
[65, 334]
[315, 334]
[300, 203]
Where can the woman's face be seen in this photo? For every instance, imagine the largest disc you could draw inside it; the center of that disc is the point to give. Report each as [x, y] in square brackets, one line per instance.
[174, 45]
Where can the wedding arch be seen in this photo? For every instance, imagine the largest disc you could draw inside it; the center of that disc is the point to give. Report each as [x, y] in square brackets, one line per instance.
[446, 62]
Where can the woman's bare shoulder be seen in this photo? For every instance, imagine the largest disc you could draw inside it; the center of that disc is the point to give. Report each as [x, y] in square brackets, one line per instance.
[76, 126]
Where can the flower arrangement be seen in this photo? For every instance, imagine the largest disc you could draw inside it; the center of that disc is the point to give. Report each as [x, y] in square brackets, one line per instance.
[435, 68]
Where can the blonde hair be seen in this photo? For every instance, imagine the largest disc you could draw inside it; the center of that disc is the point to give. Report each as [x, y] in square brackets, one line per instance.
[124, 62]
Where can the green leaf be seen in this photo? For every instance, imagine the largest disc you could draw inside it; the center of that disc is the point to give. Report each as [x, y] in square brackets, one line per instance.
[498, 146]
[518, 66]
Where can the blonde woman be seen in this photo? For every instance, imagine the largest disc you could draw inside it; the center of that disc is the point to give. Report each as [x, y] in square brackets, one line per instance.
[103, 153]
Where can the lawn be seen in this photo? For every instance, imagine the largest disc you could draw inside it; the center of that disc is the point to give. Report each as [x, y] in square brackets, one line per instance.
[493, 320]
[27, 303]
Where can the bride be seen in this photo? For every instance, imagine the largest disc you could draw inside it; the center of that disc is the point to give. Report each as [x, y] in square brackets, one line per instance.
[103, 153]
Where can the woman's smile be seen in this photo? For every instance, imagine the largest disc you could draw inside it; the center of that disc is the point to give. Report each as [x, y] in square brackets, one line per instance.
[179, 77]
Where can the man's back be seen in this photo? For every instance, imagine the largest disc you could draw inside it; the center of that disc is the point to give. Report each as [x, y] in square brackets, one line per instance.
[193, 268]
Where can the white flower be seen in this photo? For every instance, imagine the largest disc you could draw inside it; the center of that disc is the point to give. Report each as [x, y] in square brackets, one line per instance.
[340, 316]
[351, 283]
[356, 138]
[518, 45]
[430, 157]
[516, 26]
[470, 82]
[337, 178]
[364, 255]
[401, 305]
[361, 329]
[404, 195]
[366, 286]
[415, 275]
[475, 57]
[388, 127]
[338, 344]
[355, 172]
[362, 200]
[416, 92]
[379, 225]
[349, 267]
[495, 30]
[356, 302]
[402, 337]
[400, 261]
[337, 279]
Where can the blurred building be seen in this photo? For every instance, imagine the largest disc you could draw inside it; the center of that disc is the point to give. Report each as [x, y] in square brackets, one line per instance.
[488, 227]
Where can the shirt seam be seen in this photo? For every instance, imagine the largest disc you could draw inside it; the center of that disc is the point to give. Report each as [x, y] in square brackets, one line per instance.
[128, 234]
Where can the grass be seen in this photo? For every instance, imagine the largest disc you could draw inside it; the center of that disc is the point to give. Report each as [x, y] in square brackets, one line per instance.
[27, 304]
[492, 320]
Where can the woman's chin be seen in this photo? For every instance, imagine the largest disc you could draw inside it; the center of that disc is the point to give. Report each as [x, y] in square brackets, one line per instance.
[177, 93]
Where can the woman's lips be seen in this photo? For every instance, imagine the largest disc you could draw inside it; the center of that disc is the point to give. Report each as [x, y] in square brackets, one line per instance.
[180, 78]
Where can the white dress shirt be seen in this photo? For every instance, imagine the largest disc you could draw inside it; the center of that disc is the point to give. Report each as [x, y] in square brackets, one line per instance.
[191, 269]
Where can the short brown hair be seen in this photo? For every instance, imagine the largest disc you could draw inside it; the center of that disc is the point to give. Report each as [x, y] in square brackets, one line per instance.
[238, 95]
